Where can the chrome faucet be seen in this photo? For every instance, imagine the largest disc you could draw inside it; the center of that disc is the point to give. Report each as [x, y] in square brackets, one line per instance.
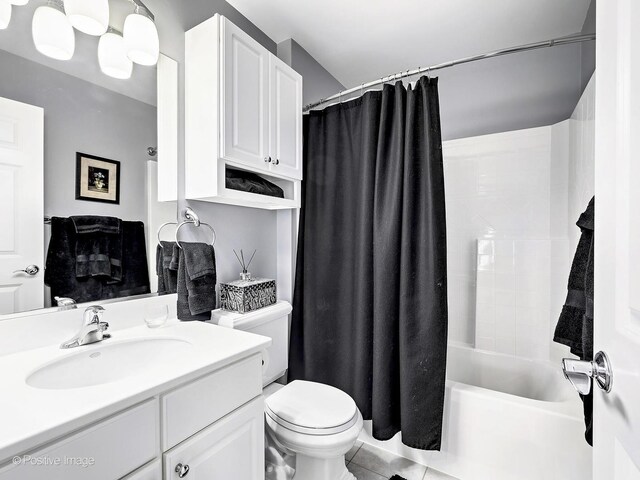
[92, 329]
[65, 303]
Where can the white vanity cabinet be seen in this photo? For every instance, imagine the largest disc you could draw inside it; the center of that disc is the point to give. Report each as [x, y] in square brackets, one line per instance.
[231, 448]
[243, 110]
[212, 426]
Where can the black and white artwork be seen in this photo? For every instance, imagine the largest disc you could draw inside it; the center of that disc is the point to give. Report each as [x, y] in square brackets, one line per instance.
[97, 179]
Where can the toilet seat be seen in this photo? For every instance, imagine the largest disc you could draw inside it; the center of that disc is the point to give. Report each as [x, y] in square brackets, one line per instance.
[312, 408]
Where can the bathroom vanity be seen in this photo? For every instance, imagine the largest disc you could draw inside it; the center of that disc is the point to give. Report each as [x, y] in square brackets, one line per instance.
[145, 404]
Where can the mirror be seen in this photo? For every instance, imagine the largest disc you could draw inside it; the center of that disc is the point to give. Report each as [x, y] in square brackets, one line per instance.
[78, 150]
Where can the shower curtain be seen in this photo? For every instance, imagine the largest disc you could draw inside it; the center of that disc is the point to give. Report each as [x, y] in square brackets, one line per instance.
[370, 302]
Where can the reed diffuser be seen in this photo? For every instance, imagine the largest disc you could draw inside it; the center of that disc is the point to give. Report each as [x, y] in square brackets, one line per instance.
[245, 275]
[248, 293]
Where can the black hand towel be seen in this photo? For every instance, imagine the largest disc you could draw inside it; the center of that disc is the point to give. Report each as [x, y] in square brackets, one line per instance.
[196, 281]
[575, 325]
[98, 249]
[167, 267]
[160, 271]
[135, 269]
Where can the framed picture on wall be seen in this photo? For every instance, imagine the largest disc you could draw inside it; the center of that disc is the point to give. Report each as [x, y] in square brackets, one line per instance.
[97, 179]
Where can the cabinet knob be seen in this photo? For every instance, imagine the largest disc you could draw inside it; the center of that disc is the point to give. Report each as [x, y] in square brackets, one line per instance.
[267, 159]
[182, 470]
[277, 161]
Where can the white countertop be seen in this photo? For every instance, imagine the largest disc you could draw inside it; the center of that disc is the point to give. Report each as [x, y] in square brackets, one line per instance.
[31, 416]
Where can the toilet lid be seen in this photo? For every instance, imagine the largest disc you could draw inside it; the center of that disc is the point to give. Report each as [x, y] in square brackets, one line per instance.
[312, 405]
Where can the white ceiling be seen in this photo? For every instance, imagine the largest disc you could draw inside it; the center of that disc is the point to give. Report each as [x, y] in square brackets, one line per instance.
[360, 40]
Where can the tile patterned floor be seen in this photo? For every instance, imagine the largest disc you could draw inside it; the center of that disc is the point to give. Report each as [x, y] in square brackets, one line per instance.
[371, 463]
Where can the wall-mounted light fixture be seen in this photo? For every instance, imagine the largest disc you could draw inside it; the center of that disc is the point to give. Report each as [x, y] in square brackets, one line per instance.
[5, 14]
[90, 17]
[52, 33]
[141, 36]
[112, 55]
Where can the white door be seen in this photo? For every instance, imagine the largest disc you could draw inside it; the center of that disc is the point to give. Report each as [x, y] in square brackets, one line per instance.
[231, 448]
[286, 119]
[21, 207]
[617, 239]
[245, 98]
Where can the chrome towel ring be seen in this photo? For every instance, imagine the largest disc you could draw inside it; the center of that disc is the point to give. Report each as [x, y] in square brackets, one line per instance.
[160, 229]
[192, 218]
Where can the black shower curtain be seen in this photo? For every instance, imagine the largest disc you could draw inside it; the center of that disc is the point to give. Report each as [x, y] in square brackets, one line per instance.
[370, 303]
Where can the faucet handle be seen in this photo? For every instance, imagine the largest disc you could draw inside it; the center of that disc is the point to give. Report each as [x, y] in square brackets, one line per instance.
[93, 314]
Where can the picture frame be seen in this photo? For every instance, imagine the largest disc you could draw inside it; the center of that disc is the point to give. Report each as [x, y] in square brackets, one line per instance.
[97, 179]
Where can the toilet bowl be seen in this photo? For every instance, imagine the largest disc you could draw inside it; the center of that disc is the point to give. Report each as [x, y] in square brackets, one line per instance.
[315, 422]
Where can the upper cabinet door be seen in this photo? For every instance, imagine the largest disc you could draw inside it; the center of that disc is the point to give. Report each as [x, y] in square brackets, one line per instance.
[245, 98]
[286, 120]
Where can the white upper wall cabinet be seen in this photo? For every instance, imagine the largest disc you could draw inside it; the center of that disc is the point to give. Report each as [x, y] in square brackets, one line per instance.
[286, 119]
[245, 98]
[243, 110]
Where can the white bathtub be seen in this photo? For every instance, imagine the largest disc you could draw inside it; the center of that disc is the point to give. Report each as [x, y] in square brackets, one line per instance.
[505, 418]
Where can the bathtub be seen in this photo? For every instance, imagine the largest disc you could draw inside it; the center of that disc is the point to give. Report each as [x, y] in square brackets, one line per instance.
[505, 418]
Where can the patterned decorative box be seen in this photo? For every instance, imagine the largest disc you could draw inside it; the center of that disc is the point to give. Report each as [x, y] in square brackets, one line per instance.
[245, 296]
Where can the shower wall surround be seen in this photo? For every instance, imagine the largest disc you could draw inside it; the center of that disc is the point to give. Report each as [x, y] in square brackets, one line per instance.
[512, 202]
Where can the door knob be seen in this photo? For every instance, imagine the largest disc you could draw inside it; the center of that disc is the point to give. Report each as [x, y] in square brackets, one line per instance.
[30, 270]
[580, 373]
[182, 470]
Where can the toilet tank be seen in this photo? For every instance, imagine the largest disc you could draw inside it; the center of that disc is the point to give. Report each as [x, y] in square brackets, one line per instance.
[272, 322]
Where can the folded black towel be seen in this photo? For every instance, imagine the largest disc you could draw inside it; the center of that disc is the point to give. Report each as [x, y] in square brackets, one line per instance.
[196, 281]
[98, 249]
[575, 325]
[252, 183]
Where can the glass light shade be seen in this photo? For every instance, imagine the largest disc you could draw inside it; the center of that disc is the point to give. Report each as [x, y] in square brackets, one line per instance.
[5, 14]
[88, 16]
[141, 39]
[52, 33]
[19, 3]
[112, 56]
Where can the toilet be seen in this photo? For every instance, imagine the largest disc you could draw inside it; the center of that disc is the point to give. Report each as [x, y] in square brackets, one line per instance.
[317, 423]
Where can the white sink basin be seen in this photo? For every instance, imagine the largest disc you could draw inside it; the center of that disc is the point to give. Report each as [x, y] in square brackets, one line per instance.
[105, 362]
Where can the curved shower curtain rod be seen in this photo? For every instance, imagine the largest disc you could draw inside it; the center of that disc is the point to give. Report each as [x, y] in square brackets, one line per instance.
[497, 53]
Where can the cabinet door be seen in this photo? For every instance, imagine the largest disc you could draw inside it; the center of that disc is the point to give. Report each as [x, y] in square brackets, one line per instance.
[231, 448]
[151, 471]
[245, 98]
[286, 119]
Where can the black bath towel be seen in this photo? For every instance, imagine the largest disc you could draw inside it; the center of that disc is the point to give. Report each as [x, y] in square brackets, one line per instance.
[196, 281]
[60, 271]
[575, 325]
[98, 249]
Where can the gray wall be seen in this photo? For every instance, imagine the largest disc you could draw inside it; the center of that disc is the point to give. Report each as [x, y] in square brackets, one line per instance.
[512, 92]
[236, 227]
[82, 117]
[317, 81]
